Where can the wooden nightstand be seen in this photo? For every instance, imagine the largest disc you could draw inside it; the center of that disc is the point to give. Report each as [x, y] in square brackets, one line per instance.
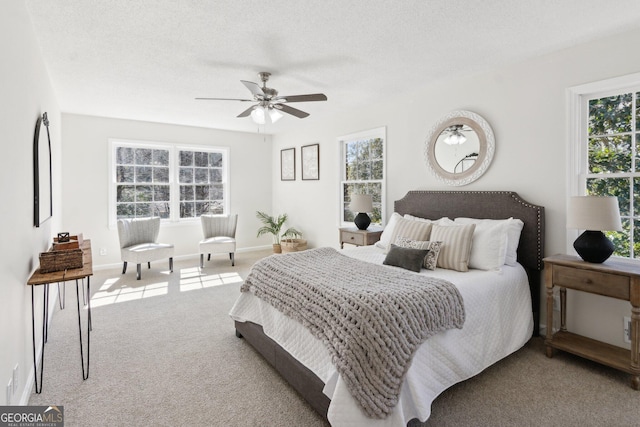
[357, 237]
[616, 278]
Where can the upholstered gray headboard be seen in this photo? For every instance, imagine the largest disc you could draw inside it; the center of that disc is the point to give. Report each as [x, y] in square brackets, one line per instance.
[492, 205]
[483, 204]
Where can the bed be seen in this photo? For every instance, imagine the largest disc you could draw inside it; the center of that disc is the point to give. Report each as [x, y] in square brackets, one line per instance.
[501, 317]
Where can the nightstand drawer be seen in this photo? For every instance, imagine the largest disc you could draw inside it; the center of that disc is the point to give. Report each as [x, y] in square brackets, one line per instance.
[610, 285]
[353, 238]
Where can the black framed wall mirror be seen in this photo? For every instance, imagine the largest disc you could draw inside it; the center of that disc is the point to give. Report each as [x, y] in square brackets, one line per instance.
[42, 177]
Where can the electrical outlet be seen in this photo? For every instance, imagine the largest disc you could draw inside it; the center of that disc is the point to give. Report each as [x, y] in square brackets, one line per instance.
[9, 391]
[16, 378]
[627, 329]
[103, 251]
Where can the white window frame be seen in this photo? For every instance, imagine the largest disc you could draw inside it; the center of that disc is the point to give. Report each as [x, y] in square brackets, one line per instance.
[174, 168]
[578, 114]
[380, 132]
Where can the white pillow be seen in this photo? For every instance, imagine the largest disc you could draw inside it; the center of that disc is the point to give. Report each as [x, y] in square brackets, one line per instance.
[514, 228]
[456, 245]
[442, 221]
[388, 232]
[489, 246]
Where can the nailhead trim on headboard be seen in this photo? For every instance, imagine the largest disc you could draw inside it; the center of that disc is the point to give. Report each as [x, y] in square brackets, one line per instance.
[483, 204]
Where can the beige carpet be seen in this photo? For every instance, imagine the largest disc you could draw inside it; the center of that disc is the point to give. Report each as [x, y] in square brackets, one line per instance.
[163, 352]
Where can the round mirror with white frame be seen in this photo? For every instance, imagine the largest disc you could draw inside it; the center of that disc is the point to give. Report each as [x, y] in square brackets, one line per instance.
[459, 148]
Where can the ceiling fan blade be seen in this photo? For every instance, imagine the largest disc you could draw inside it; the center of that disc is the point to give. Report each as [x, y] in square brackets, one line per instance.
[225, 99]
[247, 112]
[290, 110]
[254, 88]
[304, 98]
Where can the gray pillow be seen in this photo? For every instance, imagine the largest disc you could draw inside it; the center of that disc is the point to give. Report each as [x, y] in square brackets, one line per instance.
[407, 258]
[431, 259]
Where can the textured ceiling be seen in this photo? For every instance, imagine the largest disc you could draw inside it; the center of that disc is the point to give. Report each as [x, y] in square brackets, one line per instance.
[149, 59]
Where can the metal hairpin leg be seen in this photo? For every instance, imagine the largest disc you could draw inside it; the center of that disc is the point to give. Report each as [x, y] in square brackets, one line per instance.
[33, 329]
[62, 296]
[84, 295]
[85, 373]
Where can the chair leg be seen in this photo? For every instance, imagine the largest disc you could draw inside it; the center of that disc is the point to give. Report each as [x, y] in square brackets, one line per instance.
[171, 265]
[201, 260]
[139, 271]
[149, 265]
[209, 257]
[232, 257]
[124, 267]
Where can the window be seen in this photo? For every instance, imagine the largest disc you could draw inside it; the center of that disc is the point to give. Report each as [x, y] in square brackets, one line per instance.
[168, 181]
[201, 183]
[608, 157]
[363, 172]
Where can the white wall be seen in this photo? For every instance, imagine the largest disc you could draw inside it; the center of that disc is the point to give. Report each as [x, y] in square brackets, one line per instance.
[86, 176]
[26, 94]
[526, 106]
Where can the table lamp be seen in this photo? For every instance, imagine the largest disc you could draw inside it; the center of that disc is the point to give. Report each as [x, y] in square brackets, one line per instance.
[594, 214]
[361, 203]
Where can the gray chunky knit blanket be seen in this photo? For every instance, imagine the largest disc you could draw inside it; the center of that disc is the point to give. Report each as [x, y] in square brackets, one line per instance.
[372, 318]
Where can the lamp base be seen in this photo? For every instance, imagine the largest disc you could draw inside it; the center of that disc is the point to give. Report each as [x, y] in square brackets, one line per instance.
[362, 221]
[593, 246]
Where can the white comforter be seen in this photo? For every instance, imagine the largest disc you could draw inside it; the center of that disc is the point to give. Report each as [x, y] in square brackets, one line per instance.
[498, 322]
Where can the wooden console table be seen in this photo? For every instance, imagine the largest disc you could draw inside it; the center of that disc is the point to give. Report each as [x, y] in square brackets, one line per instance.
[616, 278]
[77, 274]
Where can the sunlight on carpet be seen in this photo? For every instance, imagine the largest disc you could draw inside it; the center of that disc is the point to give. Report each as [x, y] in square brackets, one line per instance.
[112, 293]
[116, 289]
[193, 278]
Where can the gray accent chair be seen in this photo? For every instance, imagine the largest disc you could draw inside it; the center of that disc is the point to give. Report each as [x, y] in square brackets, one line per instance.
[219, 236]
[139, 243]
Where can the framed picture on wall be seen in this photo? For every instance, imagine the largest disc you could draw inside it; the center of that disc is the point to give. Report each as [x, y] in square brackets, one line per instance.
[288, 164]
[310, 155]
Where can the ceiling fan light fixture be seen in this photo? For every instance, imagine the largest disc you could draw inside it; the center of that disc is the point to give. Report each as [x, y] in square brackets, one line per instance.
[275, 115]
[455, 138]
[258, 115]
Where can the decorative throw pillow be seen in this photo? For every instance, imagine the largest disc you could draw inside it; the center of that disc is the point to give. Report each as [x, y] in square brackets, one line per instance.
[456, 245]
[414, 230]
[514, 229]
[407, 258]
[430, 261]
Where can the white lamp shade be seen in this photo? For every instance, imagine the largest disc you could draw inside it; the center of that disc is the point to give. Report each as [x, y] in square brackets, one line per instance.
[361, 203]
[597, 213]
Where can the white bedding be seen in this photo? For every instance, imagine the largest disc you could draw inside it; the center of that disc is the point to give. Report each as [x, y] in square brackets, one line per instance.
[498, 322]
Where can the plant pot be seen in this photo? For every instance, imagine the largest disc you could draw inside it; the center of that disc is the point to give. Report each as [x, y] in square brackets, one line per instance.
[277, 249]
[293, 245]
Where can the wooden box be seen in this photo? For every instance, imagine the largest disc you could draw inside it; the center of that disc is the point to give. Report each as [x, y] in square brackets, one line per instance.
[60, 260]
[78, 238]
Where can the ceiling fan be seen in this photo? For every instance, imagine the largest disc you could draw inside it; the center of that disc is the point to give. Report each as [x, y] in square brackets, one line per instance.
[269, 104]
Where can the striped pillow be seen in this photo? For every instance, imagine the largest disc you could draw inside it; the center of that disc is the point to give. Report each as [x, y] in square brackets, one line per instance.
[414, 230]
[456, 246]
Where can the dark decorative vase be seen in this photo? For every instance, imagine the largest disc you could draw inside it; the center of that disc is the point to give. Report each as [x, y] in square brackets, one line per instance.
[593, 246]
[362, 221]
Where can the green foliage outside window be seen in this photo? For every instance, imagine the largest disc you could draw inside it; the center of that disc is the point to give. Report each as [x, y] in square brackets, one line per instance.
[614, 164]
[364, 172]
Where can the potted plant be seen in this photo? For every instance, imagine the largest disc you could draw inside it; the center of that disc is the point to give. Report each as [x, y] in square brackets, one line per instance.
[274, 226]
[293, 242]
